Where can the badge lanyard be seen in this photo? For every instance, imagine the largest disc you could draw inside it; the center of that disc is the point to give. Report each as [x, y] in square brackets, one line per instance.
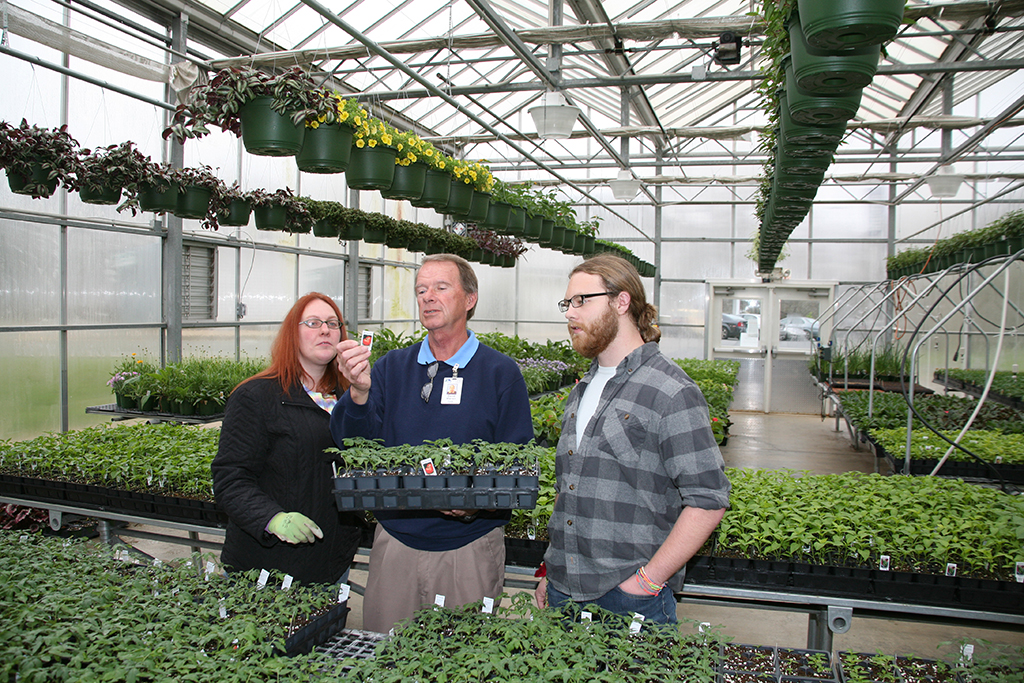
[451, 394]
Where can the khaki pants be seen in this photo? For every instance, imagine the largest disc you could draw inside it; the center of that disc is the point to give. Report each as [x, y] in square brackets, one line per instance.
[402, 579]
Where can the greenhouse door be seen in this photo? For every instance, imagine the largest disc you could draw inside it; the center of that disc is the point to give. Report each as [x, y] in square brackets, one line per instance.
[770, 329]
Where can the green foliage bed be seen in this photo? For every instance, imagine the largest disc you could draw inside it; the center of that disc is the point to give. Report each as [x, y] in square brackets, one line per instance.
[889, 411]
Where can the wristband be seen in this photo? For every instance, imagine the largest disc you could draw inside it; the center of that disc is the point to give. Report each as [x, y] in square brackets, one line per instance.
[646, 584]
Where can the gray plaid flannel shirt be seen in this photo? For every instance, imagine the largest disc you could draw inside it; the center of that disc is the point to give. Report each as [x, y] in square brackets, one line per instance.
[647, 452]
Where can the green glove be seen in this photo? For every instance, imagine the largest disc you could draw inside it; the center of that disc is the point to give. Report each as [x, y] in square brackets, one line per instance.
[294, 527]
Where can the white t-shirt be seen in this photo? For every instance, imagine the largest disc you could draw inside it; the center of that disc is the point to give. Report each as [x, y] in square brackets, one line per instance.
[591, 397]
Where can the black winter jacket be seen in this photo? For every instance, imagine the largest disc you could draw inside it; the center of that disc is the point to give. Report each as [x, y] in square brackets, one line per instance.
[271, 460]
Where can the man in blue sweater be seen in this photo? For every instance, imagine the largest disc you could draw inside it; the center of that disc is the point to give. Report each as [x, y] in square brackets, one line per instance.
[447, 386]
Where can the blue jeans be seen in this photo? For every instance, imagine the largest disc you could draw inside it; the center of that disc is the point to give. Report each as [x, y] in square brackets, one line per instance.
[657, 609]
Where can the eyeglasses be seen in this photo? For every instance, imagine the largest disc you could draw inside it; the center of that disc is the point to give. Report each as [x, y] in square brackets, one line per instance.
[578, 300]
[429, 386]
[315, 323]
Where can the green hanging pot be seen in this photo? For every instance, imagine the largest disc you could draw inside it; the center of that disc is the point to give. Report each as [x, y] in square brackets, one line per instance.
[547, 227]
[371, 168]
[794, 133]
[418, 244]
[460, 198]
[237, 214]
[407, 183]
[325, 228]
[395, 241]
[476, 255]
[804, 151]
[270, 217]
[37, 184]
[789, 181]
[589, 244]
[488, 258]
[325, 149]
[516, 221]
[822, 72]
[267, 133]
[846, 24]
[497, 216]
[507, 261]
[480, 208]
[193, 202]
[374, 235]
[436, 189]
[104, 196]
[787, 164]
[555, 238]
[568, 240]
[434, 247]
[159, 198]
[533, 227]
[817, 110]
[353, 231]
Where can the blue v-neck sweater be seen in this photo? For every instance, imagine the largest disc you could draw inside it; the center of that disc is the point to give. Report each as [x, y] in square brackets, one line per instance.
[495, 407]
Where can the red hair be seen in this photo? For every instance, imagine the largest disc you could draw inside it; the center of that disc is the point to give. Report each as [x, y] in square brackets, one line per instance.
[284, 354]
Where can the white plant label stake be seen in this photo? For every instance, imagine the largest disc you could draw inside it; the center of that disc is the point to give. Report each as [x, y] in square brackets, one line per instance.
[223, 609]
[428, 467]
[1020, 572]
[262, 581]
[951, 569]
[439, 600]
[343, 592]
[531, 532]
[883, 563]
[287, 583]
[637, 623]
[210, 569]
[488, 605]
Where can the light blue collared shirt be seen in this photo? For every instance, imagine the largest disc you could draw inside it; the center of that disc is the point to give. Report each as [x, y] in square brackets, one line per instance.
[461, 357]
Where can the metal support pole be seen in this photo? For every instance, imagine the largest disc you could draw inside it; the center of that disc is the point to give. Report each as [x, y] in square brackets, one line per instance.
[173, 249]
[819, 637]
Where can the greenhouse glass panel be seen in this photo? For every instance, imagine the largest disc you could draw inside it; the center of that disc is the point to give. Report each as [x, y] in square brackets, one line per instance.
[848, 262]
[683, 304]
[256, 340]
[30, 405]
[92, 357]
[682, 342]
[29, 273]
[208, 342]
[322, 275]
[270, 290]
[400, 298]
[850, 221]
[113, 277]
[227, 296]
[499, 297]
[698, 260]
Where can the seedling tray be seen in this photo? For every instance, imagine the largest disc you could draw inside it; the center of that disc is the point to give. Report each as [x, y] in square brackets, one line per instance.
[460, 492]
[317, 631]
[351, 643]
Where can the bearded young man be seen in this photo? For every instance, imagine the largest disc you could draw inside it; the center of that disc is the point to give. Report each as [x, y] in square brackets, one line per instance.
[640, 480]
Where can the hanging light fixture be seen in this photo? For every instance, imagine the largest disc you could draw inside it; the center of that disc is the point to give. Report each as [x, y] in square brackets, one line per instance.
[625, 187]
[945, 182]
[554, 118]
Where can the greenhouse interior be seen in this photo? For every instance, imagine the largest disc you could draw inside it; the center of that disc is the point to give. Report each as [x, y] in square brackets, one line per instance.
[822, 199]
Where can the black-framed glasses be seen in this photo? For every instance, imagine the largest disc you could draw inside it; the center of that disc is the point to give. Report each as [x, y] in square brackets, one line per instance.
[429, 386]
[315, 323]
[578, 300]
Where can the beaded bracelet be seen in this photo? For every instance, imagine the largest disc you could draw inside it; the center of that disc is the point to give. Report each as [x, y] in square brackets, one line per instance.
[646, 584]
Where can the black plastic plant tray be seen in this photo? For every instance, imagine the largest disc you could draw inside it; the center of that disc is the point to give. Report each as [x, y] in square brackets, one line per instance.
[437, 499]
[351, 643]
[317, 631]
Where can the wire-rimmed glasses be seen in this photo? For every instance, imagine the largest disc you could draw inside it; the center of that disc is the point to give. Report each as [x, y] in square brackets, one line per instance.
[316, 323]
[429, 386]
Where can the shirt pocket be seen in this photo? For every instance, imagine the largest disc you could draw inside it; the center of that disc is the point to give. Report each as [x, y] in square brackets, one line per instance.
[623, 434]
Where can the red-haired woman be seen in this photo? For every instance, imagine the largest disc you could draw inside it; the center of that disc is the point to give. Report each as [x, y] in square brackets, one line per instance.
[270, 474]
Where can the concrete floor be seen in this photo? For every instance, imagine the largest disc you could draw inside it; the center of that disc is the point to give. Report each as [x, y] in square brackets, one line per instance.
[776, 441]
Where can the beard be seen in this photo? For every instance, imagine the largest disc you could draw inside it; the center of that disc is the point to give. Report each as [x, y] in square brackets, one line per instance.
[595, 337]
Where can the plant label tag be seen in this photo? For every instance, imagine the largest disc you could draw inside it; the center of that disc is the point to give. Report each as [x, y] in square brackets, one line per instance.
[704, 627]
[262, 581]
[967, 652]
[23, 538]
[1020, 572]
[451, 395]
[157, 562]
[67, 543]
[343, 592]
[287, 583]
[883, 563]
[950, 569]
[122, 555]
[531, 532]
[428, 467]
[488, 605]
[586, 616]
[439, 600]
[210, 569]
[222, 609]
[366, 339]
[637, 623]
[999, 460]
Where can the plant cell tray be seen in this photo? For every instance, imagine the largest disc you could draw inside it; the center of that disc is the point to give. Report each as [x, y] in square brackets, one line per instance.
[152, 415]
[317, 631]
[352, 643]
[460, 492]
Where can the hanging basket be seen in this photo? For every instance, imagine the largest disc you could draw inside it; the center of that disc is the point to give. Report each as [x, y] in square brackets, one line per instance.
[267, 133]
[793, 133]
[353, 230]
[555, 238]
[533, 227]
[374, 235]
[407, 182]
[325, 149]
[270, 217]
[419, 244]
[193, 202]
[817, 110]
[460, 199]
[545, 231]
[371, 168]
[568, 240]
[497, 217]
[480, 208]
[822, 72]
[104, 196]
[325, 228]
[162, 198]
[437, 187]
[237, 213]
[516, 221]
[847, 24]
[37, 184]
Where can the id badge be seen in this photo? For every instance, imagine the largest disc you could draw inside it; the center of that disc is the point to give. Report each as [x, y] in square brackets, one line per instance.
[452, 392]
